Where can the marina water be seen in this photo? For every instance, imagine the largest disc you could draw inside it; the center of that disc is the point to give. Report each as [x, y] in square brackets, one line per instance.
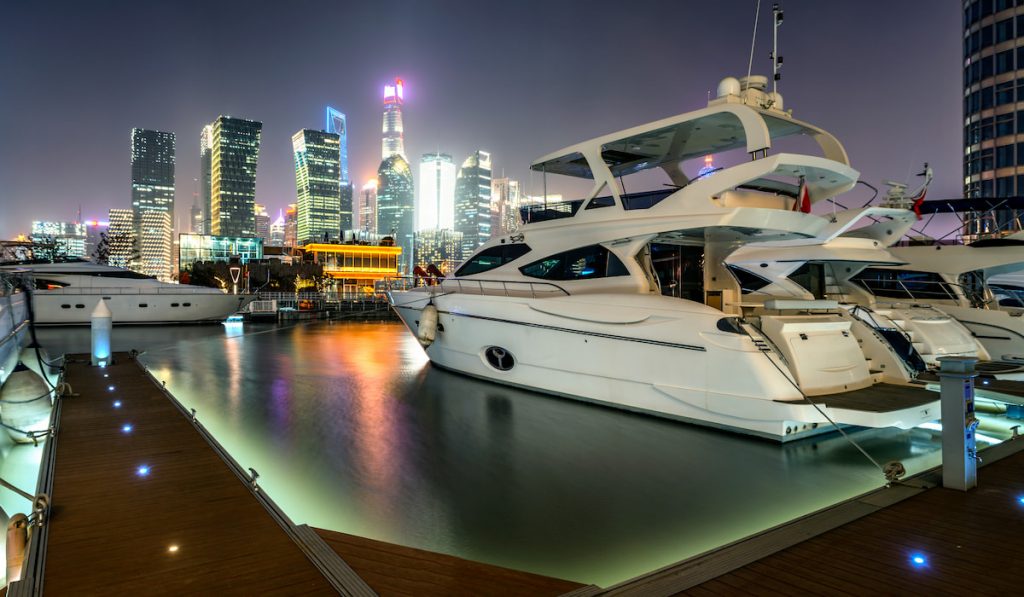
[351, 429]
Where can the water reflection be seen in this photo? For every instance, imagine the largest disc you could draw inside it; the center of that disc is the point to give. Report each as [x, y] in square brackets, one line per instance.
[351, 429]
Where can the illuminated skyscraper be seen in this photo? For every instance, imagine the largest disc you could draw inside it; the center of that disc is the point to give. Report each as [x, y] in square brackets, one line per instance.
[205, 169]
[367, 209]
[394, 143]
[262, 223]
[61, 239]
[338, 124]
[153, 191]
[395, 206]
[233, 158]
[277, 231]
[120, 250]
[291, 226]
[505, 201]
[442, 248]
[317, 186]
[473, 201]
[435, 207]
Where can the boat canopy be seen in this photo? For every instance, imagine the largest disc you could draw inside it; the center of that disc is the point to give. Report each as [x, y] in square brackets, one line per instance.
[665, 143]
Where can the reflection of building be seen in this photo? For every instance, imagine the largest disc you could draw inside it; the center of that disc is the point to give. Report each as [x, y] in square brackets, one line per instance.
[355, 268]
[153, 191]
[505, 200]
[205, 174]
[435, 207]
[442, 248]
[291, 226]
[395, 206]
[317, 185]
[262, 223]
[193, 248]
[67, 239]
[394, 143]
[473, 201]
[993, 85]
[367, 208]
[235, 152]
[120, 250]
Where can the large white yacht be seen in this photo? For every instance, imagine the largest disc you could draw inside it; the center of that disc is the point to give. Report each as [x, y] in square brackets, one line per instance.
[66, 294]
[625, 299]
[13, 322]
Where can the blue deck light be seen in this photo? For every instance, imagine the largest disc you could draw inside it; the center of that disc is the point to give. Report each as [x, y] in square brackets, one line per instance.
[142, 471]
[110, 388]
[126, 428]
[918, 560]
[117, 404]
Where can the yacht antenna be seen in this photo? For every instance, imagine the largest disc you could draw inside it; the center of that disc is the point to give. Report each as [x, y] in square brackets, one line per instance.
[753, 40]
[776, 59]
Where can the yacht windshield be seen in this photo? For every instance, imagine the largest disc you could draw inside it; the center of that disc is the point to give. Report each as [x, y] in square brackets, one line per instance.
[905, 284]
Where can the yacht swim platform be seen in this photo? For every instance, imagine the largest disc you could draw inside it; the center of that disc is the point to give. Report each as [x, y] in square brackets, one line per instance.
[879, 398]
[159, 506]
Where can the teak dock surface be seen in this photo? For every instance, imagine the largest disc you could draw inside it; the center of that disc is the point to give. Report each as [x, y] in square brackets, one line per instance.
[158, 508]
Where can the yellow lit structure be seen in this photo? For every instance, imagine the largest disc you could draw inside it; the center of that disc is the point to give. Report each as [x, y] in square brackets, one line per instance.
[355, 267]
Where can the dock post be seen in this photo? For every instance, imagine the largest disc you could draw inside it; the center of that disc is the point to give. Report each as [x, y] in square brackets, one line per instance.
[102, 321]
[959, 456]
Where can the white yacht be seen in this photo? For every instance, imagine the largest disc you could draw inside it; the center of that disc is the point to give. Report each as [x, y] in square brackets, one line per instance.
[625, 299]
[13, 322]
[66, 294]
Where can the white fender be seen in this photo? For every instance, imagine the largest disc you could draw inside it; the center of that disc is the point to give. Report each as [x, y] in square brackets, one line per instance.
[17, 541]
[25, 401]
[427, 330]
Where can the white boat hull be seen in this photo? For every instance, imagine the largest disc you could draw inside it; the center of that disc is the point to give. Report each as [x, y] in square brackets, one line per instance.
[66, 308]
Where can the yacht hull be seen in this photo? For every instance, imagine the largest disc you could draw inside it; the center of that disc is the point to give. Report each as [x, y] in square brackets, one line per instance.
[657, 361]
[67, 308]
[13, 330]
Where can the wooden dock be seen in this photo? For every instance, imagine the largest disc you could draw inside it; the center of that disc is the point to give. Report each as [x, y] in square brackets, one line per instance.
[143, 501]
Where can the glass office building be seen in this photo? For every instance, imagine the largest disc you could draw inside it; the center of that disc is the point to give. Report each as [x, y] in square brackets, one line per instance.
[317, 186]
[473, 201]
[205, 247]
[395, 206]
[233, 158]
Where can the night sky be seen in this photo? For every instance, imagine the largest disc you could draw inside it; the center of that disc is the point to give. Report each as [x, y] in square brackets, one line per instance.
[517, 78]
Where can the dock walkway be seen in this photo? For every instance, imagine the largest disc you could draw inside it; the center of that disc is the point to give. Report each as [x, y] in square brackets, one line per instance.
[144, 502]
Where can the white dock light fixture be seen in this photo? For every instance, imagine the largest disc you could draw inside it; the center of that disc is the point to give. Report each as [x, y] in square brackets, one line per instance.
[235, 273]
[102, 322]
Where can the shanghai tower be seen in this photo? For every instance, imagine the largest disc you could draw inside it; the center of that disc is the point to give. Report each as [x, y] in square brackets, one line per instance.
[394, 143]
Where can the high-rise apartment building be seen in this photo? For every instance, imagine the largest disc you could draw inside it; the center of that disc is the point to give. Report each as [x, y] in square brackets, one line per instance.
[120, 248]
[235, 150]
[153, 191]
[505, 201]
[205, 176]
[95, 230]
[394, 142]
[993, 110]
[60, 239]
[291, 226]
[317, 186]
[367, 208]
[262, 223]
[473, 201]
[435, 205]
[395, 206]
[439, 247]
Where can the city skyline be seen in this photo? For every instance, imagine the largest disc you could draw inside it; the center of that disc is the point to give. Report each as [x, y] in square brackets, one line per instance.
[451, 104]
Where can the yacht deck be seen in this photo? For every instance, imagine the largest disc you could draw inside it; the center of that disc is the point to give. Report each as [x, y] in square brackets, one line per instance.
[878, 398]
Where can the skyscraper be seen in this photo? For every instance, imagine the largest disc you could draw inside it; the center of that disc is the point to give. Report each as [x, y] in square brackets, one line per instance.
[395, 206]
[993, 88]
[439, 247]
[345, 214]
[367, 209]
[435, 207]
[277, 231]
[235, 152]
[262, 223]
[205, 173]
[317, 185]
[338, 124]
[61, 239]
[120, 250]
[473, 201]
[291, 226]
[505, 201]
[153, 191]
[394, 143]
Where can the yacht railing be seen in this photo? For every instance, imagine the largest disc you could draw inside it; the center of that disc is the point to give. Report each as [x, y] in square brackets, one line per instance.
[133, 290]
[508, 288]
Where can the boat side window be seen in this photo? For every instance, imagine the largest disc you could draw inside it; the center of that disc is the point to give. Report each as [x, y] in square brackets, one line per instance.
[594, 261]
[811, 277]
[904, 284]
[749, 282]
[143, 305]
[491, 258]
[597, 202]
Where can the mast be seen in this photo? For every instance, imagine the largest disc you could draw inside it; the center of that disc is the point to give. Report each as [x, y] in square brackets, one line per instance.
[776, 59]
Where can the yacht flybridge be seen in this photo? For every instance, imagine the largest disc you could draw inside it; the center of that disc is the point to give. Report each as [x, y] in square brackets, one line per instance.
[66, 294]
[625, 299]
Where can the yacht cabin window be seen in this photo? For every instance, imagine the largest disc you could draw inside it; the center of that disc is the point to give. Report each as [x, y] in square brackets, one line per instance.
[491, 258]
[594, 261]
[904, 284]
[749, 282]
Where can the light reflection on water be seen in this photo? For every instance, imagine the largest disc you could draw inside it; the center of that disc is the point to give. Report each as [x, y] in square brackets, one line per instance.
[351, 429]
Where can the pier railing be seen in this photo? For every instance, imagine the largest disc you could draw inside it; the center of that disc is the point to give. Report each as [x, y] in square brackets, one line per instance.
[509, 288]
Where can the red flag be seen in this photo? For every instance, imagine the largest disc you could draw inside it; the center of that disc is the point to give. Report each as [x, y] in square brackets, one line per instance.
[803, 200]
[918, 201]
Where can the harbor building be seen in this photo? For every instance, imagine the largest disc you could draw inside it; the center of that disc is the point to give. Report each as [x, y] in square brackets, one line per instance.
[65, 239]
[473, 201]
[435, 205]
[153, 191]
[394, 140]
[193, 248]
[505, 200]
[317, 186]
[205, 175]
[395, 206]
[439, 247]
[367, 208]
[993, 85]
[356, 269]
[233, 159]
[120, 249]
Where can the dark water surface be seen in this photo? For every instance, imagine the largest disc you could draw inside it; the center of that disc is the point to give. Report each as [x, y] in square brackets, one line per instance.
[352, 430]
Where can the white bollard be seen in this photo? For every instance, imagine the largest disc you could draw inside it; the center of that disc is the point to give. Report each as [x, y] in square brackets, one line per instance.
[959, 454]
[102, 322]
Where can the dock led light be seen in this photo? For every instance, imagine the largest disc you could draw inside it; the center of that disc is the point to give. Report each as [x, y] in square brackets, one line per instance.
[110, 388]
[1020, 500]
[142, 471]
[918, 560]
[172, 549]
[126, 428]
[106, 375]
[117, 404]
